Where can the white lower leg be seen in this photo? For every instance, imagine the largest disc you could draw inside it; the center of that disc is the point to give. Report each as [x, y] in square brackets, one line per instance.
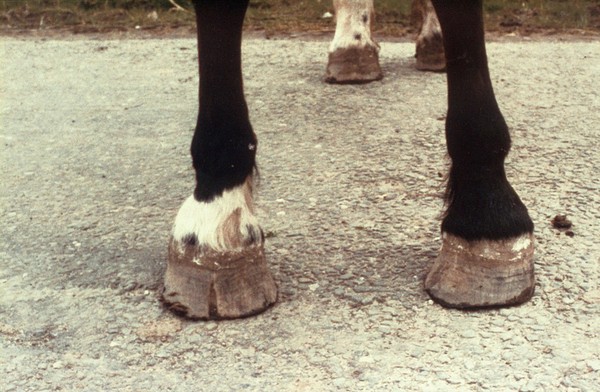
[226, 223]
[431, 25]
[353, 24]
[353, 54]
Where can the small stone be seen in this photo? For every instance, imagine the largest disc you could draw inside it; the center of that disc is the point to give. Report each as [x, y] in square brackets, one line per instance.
[469, 364]
[454, 379]
[339, 292]
[57, 365]
[593, 364]
[506, 336]
[512, 318]
[469, 334]
[417, 352]
[497, 322]
[339, 382]
[520, 376]
[531, 386]
[568, 300]
[384, 329]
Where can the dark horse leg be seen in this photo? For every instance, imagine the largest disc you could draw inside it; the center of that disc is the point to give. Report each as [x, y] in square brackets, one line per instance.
[216, 267]
[487, 250]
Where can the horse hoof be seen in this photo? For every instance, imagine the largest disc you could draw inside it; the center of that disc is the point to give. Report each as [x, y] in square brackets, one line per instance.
[430, 54]
[353, 65]
[211, 285]
[483, 273]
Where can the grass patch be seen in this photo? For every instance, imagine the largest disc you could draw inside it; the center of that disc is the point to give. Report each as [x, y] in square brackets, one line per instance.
[282, 16]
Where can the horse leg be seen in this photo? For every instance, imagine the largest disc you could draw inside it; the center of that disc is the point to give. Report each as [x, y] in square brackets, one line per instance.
[353, 54]
[429, 45]
[487, 251]
[216, 267]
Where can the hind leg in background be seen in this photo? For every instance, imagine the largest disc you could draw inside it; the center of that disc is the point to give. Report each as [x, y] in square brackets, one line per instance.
[216, 267]
[487, 251]
[353, 54]
[429, 45]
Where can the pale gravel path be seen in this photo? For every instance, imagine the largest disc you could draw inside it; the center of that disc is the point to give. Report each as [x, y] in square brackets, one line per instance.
[94, 165]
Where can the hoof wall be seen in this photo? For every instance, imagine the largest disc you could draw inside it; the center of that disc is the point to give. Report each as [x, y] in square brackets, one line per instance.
[430, 54]
[211, 285]
[353, 65]
[484, 273]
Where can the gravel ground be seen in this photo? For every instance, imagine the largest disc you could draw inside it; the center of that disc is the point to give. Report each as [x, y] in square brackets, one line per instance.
[95, 138]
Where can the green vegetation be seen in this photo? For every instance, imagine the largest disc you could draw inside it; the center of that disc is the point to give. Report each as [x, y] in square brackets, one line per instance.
[282, 16]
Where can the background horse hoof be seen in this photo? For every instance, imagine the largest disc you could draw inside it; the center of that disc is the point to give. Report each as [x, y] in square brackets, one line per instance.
[482, 273]
[217, 285]
[353, 65]
[430, 54]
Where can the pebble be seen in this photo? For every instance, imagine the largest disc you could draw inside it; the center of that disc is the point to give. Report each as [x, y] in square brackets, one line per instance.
[519, 376]
[531, 386]
[469, 334]
[497, 322]
[593, 364]
[339, 382]
[339, 292]
[454, 379]
[513, 318]
[568, 300]
[384, 329]
[417, 352]
[469, 364]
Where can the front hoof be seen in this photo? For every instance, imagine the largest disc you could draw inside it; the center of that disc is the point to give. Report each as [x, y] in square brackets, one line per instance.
[211, 285]
[482, 273]
[353, 65]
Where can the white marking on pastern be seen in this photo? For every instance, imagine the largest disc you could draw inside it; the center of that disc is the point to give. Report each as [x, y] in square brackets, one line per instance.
[226, 223]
